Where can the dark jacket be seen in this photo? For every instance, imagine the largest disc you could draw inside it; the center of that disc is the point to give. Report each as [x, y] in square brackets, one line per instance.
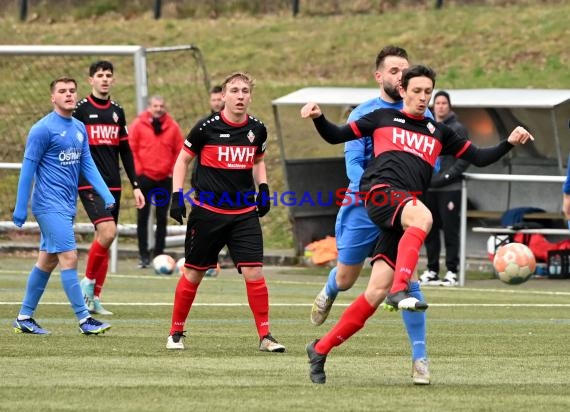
[449, 175]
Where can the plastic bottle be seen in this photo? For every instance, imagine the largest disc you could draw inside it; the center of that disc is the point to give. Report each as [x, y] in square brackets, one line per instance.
[555, 267]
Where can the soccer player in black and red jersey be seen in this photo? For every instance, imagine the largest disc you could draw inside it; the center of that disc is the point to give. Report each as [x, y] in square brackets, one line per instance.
[405, 145]
[229, 147]
[106, 128]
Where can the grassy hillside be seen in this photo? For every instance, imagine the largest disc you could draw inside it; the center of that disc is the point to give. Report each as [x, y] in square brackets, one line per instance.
[470, 46]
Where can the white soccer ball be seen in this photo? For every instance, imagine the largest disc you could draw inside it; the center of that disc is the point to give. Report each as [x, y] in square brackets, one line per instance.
[515, 263]
[163, 265]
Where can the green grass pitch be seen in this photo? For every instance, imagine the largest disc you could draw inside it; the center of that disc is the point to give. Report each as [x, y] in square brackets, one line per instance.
[492, 347]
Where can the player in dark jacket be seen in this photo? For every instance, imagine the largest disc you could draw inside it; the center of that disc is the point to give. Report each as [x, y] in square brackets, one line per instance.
[443, 199]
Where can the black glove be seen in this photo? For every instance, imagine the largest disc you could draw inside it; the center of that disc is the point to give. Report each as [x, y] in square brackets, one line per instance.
[262, 200]
[177, 208]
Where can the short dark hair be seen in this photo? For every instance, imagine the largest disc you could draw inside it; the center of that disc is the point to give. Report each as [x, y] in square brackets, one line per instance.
[100, 65]
[390, 51]
[216, 89]
[444, 94]
[417, 70]
[62, 79]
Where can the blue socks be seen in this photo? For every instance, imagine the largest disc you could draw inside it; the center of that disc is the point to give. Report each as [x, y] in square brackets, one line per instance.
[37, 281]
[415, 323]
[331, 286]
[70, 284]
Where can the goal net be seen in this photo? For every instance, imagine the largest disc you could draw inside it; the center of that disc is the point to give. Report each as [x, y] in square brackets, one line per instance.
[176, 73]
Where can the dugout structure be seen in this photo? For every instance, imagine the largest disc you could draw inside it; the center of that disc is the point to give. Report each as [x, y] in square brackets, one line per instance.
[177, 73]
[312, 165]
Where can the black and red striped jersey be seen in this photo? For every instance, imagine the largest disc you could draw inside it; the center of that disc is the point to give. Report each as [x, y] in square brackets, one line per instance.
[225, 154]
[106, 126]
[405, 148]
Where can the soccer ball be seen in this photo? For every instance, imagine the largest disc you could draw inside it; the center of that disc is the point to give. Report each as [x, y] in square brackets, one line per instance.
[213, 272]
[163, 265]
[180, 265]
[514, 263]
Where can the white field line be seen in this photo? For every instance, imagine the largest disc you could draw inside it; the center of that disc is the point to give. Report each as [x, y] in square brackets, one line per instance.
[237, 278]
[441, 305]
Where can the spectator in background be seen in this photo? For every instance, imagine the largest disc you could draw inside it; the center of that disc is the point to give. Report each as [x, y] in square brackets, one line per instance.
[443, 199]
[216, 101]
[155, 139]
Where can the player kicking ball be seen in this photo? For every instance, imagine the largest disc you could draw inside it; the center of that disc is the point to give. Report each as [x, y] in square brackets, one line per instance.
[406, 145]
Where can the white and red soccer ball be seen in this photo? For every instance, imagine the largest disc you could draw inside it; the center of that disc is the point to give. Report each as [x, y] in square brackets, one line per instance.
[514, 263]
[163, 265]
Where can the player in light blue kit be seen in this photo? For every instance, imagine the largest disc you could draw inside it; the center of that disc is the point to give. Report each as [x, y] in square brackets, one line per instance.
[356, 235]
[56, 152]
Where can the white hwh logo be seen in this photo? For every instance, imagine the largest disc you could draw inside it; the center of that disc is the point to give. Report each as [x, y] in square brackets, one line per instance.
[423, 143]
[236, 153]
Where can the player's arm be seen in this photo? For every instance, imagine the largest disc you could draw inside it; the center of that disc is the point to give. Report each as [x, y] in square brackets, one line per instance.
[330, 132]
[27, 173]
[36, 146]
[355, 158]
[92, 174]
[177, 206]
[485, 156]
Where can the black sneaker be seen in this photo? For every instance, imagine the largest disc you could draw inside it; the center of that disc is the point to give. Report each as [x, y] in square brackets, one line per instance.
[316, 364]
[143, 263]
[402, 300]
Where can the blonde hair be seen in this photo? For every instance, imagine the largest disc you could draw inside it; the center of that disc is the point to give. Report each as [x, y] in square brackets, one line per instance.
[241, 76]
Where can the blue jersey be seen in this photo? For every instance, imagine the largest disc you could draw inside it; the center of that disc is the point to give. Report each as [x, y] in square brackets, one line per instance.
[59, 146]
[566, 186]
[358, 152]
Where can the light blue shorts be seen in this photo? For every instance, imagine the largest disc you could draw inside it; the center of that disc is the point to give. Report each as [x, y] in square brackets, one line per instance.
[356, 235]
[56, 232]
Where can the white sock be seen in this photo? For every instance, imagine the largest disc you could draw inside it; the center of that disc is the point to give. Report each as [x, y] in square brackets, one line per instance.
[23, 317]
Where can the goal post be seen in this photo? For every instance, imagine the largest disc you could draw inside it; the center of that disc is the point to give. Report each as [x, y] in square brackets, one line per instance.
[178, 73]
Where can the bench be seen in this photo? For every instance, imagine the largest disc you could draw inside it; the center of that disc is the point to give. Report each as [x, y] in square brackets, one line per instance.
[496, 215]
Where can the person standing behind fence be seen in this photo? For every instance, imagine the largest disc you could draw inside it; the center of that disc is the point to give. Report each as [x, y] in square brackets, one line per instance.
[443, 199]
[155, 139]
[108, 139]
[229, 147]
[566, 193]
[56, 152]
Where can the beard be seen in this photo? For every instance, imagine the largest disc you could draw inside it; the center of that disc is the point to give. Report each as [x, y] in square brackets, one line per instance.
[392, 92]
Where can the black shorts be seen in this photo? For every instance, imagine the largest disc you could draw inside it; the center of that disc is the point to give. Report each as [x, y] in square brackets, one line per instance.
[384, 206]
[95, 206]
[208, 232]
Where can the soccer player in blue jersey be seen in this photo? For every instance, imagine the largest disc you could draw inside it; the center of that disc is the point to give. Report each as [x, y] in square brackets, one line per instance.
[56, 152]
[356, 234]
